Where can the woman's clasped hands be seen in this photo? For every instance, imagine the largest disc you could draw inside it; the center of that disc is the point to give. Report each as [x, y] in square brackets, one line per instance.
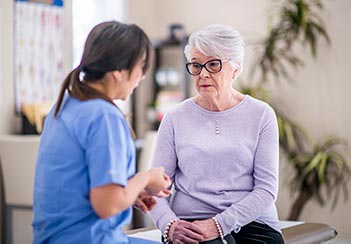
[183, 231]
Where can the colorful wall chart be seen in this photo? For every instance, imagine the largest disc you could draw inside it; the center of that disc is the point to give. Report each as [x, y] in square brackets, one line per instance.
[39, 46]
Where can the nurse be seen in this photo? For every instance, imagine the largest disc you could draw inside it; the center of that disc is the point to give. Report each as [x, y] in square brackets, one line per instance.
[85, 180]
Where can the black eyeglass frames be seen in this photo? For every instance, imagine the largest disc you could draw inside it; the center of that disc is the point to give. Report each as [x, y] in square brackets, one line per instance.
[212, 66]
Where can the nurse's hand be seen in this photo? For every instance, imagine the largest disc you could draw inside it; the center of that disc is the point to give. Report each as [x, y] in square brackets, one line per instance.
[158, 182]
[145, 202]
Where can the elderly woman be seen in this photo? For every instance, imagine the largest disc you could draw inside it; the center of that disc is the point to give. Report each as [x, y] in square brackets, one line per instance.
[220, 149]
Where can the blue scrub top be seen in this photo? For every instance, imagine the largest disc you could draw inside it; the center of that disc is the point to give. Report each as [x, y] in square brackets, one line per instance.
[88, 145]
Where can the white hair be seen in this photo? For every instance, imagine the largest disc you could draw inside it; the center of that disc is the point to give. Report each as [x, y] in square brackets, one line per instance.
[220, 41]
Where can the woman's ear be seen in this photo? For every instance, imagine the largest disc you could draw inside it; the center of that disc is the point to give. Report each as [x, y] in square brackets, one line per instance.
[120, 75]
[117, 75]
[236, 71]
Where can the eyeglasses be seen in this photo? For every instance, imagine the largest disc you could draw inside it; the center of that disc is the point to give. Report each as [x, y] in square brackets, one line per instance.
[212, 66]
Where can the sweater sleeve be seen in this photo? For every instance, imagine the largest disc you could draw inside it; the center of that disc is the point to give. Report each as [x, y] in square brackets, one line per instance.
[165, 155]
[265, 173]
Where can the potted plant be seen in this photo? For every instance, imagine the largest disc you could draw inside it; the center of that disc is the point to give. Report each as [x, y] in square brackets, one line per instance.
[320, 169]
[320, 173]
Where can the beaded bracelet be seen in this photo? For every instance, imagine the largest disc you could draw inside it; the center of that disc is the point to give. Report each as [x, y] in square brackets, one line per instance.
[166, 232]
[219, 229]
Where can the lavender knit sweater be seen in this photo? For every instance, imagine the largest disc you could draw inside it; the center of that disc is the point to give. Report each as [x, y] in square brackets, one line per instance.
[232, 175]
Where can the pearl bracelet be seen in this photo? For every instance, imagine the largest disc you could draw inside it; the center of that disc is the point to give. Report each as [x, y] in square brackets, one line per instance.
[219, 229]
[166, 232]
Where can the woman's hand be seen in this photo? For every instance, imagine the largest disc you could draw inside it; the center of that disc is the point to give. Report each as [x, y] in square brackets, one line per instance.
[145, 202]
[158, 182]
[209, 228]
[185, 232]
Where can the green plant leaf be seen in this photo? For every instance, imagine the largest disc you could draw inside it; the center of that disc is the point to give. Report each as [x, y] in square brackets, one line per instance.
[299, 22]
[338, 160]
[289, 136]
[314, 162]
[322, 167]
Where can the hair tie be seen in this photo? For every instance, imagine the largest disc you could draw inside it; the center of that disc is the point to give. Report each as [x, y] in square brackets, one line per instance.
[81, 75]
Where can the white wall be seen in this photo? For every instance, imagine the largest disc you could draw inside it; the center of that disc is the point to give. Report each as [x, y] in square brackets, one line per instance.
[8, 122]
[318, 99]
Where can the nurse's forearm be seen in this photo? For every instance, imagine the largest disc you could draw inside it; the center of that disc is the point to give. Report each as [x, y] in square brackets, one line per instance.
[111, 199]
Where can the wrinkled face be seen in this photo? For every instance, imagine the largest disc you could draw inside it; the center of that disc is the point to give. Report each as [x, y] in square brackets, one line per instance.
[208, 84]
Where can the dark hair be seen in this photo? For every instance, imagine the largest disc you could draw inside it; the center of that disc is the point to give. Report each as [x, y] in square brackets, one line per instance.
[110, 46]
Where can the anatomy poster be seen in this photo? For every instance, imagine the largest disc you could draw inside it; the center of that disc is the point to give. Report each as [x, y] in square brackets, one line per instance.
[39, 46]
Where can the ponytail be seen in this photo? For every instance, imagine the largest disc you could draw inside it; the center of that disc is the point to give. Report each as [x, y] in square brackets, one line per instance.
[71, 77]
[78, 89]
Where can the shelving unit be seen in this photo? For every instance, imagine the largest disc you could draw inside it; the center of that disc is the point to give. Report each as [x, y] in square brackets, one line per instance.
[170, 81]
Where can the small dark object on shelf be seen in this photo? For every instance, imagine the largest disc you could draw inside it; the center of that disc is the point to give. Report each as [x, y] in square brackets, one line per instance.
[27, 127]
[176, 32]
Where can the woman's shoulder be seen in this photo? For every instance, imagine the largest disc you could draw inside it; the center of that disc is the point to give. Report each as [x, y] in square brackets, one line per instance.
[179, 111]
[182, 107]
[257, 104]
[91, 109]
[258, 109]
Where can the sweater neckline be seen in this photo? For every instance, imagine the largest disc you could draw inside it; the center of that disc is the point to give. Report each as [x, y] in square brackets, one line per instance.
[237, 106]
